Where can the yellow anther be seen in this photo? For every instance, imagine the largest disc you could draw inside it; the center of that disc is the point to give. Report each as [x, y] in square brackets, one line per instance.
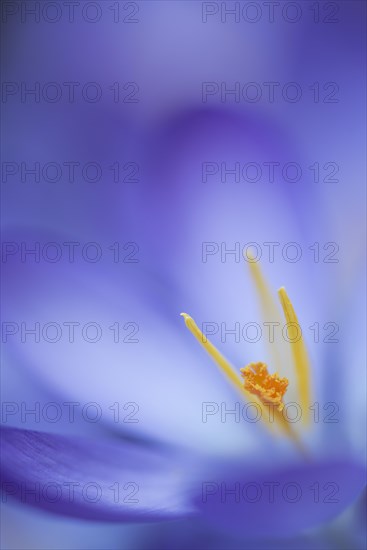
[268, 387]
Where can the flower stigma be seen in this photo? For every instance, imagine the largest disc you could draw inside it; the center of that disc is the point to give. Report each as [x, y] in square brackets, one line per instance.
[268, 387]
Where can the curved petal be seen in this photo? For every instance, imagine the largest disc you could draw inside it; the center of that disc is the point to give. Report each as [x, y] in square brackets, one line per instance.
[280, 501]
[90, 479]
[346, 391]
[202, 163]
[142, 370]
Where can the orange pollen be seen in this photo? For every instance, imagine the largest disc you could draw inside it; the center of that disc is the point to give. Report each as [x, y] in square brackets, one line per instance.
[268, 387]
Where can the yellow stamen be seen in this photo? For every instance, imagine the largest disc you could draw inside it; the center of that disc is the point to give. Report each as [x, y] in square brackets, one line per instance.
[299, 352]
[224, 365]
[228, 370]
[268, 387]
[269, 309]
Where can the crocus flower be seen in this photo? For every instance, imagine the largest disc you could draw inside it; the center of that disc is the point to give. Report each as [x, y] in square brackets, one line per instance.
[56, 472]
[164, 374]
[181, 465]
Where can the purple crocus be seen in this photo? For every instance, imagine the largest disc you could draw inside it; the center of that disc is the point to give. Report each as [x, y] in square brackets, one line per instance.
[304, 484]
[97, 272]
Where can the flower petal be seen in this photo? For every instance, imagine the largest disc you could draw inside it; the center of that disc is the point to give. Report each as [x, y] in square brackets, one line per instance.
[93, 480]
[140, 361]
[280, 501]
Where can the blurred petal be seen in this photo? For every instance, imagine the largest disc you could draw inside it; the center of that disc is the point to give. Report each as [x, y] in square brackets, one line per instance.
[92, 480]
[151, 362]
[280, 502]
[346, 391]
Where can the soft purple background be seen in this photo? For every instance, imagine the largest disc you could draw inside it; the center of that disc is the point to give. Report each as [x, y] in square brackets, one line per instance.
[169, 213]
